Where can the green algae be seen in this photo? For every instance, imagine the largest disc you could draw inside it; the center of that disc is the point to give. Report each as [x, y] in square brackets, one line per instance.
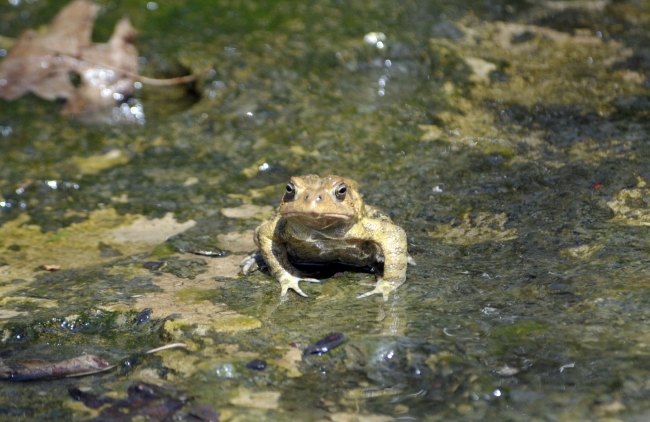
[197, 295]
[163, 250]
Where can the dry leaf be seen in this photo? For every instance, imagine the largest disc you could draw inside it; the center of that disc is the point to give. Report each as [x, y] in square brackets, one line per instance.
[42, 64]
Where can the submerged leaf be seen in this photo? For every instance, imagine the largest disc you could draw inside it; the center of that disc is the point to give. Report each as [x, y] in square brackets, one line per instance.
[35, 370]
[144, 402]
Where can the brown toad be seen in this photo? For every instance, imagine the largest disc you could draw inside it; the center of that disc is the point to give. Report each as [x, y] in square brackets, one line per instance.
[324, 220]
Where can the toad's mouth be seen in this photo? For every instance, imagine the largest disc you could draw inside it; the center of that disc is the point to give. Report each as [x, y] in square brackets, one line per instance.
[317, 220]
[317, 215]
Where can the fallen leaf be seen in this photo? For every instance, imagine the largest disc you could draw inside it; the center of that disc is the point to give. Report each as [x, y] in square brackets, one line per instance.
[34, 370]
[43, 63]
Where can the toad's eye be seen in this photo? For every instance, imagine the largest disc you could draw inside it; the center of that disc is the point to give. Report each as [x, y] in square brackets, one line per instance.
[340, 191]
[291, 191]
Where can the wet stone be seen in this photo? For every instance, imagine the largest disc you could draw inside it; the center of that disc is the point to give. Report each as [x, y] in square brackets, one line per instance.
[143, 316]
[325, 345]
[153, 265]
[256, 365]
[198, 245]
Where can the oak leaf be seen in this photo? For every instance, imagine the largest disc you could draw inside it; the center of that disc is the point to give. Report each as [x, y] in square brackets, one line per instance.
[44, 63]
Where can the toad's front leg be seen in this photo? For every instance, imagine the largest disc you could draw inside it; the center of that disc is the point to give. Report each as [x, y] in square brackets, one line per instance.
[275, 256]
[391, 239]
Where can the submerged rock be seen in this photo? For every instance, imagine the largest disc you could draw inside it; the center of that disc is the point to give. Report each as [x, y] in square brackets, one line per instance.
[390, 361]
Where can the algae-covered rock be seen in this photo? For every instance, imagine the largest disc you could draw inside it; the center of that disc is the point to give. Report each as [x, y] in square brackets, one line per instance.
[185, 268]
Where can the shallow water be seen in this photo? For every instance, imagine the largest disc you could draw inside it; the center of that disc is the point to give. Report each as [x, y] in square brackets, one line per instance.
[509, 140]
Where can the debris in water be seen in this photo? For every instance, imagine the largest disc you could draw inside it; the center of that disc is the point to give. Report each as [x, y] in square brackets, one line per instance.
[146, 401]
[325, 345]
[35, 370]
[256, 365]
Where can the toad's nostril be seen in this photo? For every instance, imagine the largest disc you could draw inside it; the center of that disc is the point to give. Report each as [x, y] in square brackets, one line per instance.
[319, 198]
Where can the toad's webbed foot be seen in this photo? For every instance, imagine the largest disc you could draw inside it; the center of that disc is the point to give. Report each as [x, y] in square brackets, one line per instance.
[384, 287]
[288, 281]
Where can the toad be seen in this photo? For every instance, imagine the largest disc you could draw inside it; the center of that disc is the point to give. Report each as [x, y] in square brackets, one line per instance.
[324, 220]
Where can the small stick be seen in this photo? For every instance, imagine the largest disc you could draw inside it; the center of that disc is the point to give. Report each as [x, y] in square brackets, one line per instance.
[167, 346]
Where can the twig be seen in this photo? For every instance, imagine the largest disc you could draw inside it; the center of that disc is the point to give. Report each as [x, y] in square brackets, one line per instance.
[143, 79]
[167, 346]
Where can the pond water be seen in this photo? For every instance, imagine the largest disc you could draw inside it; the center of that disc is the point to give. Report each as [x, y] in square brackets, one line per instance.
[508, 138]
